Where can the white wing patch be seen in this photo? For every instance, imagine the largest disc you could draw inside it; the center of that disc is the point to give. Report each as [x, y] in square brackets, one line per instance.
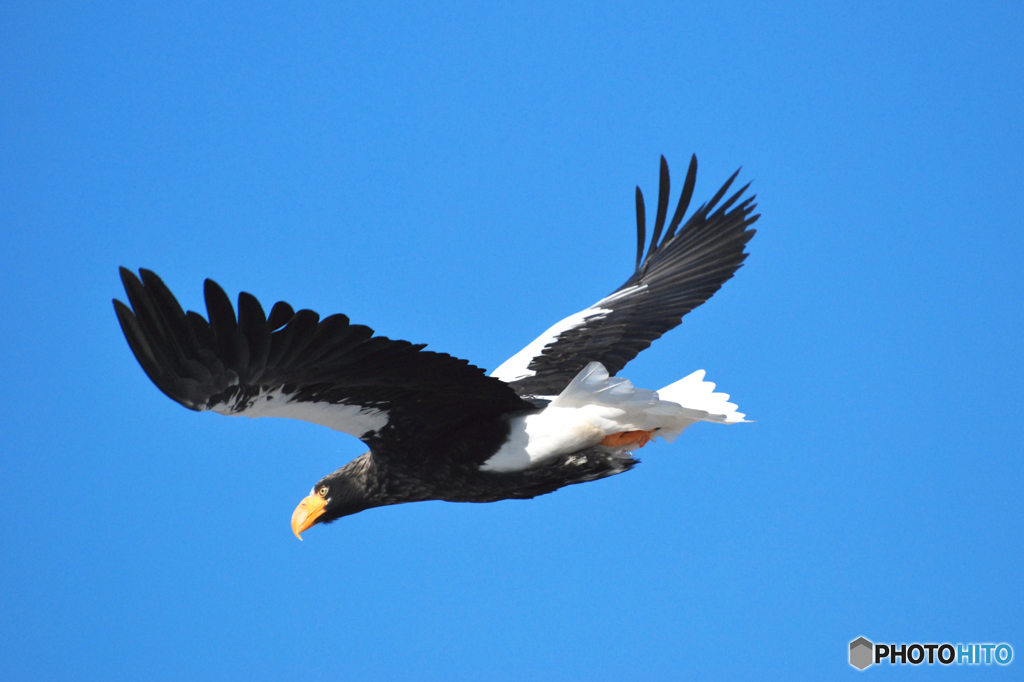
[517, 366]
[355, 420]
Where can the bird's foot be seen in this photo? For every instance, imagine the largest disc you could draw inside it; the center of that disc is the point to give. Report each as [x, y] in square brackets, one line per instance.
[627, 438]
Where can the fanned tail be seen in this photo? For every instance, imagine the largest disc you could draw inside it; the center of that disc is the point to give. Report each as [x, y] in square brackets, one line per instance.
[700, 402]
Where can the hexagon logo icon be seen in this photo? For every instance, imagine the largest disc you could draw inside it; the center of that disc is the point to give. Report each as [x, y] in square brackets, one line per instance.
[862, 653]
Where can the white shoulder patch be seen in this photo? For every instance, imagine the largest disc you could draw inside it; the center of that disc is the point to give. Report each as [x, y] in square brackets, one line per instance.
[517, 366]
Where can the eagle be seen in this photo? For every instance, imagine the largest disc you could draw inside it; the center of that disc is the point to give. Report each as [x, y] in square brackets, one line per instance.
[438, 427]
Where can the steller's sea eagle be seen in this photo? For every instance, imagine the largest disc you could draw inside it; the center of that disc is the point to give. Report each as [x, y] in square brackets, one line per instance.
[439, 428]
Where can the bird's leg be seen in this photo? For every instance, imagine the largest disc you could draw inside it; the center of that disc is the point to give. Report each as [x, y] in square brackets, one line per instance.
[618, 440]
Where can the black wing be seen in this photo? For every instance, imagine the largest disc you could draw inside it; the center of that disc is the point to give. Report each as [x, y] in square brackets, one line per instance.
[293, 364]
[679, 272]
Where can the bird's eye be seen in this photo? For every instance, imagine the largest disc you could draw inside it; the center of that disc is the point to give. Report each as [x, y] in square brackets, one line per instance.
[323, 491]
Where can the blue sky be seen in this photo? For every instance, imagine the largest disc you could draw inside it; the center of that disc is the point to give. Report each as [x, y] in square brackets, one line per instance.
[463, 176]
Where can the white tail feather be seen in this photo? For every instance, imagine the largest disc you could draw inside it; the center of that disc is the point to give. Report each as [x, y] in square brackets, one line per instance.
[695, 393]
[699, 402]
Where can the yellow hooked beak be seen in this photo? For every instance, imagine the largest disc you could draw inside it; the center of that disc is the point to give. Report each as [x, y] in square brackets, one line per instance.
[306, 514]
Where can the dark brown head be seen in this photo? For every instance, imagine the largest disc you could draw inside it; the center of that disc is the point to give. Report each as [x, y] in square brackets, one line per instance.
[347, 491]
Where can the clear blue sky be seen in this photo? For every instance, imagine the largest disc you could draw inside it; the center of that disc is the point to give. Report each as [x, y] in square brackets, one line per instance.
[463, 176]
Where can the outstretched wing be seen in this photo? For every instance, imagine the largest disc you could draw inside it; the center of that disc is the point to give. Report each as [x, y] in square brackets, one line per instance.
[293, 364]
[679, 272]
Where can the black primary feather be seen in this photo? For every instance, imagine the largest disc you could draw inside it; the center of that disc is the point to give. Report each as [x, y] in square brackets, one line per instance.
[641, 226]
[659, 222]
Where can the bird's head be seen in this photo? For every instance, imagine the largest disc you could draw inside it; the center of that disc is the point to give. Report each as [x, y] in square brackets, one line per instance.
[335, 495]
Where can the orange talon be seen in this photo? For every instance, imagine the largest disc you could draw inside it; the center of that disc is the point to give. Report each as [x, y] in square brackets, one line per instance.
[618, 440]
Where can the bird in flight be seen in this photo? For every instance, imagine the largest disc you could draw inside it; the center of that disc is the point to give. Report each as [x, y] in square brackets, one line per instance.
[439, 428]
